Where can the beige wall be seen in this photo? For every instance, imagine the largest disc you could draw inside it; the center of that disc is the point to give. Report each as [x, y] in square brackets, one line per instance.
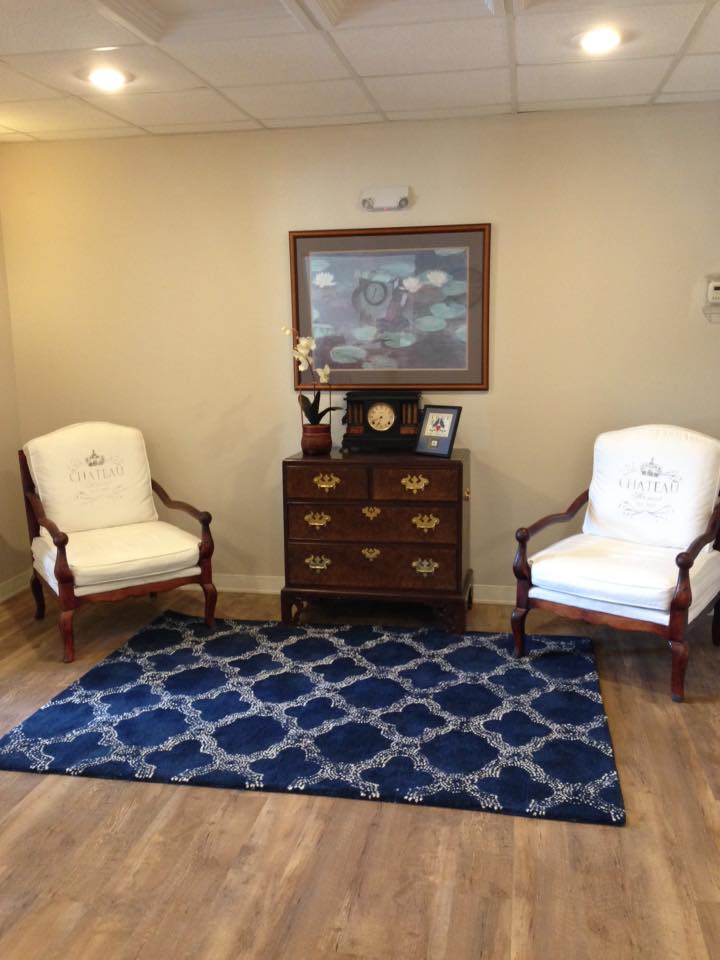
[13, 534]
[148, 281]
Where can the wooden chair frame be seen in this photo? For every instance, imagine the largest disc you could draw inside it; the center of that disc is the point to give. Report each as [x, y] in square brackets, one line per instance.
[675, 632]
[68, 602]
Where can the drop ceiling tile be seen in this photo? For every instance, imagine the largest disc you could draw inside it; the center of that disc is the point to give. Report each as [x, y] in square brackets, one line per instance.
[282, 59]
[152, 69]
[113, 133]
[187, 106]
[301, 99]
[449, 113]
[425, 47]
[467, 88]
[590, 79]
[700, 71]
[28, 26]
[371, 13]
[707, 39]
[200, 127]
[335, 121]
[646, 31]
[698, 97]
[584, 104]
[13, 86]
[195, 20]
[48, 115]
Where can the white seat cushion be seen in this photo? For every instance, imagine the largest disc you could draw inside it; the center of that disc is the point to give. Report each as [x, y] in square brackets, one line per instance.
[92, 475]
[653, 484]
[616, 576]
[120, 556]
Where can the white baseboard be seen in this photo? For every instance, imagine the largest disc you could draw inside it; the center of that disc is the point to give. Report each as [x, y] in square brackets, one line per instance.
[245, 583]
[8, 588]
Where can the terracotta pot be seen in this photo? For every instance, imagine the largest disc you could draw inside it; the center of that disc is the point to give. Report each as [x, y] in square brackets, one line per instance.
[316, 439]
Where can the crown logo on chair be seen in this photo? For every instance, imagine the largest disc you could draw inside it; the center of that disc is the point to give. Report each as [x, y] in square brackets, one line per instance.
[95, 459]
[650, 469]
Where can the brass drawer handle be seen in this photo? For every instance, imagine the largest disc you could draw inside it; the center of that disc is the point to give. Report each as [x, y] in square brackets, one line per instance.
[318, 563]
[414, 483]
[425, 568]
[370, 553]
[326, 481]
[371, 512]
[317, 520]
[426, 521]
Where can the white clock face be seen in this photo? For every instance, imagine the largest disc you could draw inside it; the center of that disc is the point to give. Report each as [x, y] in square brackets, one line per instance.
[380, 416]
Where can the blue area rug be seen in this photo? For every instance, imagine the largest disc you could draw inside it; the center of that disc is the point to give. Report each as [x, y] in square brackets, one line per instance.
[416, 716]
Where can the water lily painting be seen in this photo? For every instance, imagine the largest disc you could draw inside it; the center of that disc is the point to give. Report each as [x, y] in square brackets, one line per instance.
[395, 307]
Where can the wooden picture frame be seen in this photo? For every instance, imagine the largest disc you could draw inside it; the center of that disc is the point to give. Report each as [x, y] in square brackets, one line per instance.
[394, 307]
[438, 428]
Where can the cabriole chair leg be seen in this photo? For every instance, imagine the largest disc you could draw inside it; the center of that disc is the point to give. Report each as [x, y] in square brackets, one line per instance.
[517, 620]
[38, 595]
[66, 632]
[210, 601]
[680, 652]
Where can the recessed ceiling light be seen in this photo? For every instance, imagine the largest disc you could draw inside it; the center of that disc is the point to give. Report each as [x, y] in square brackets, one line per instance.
[599, 41]
[108, 79]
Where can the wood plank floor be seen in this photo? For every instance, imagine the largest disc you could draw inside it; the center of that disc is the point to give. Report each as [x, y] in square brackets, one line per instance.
[109, 870]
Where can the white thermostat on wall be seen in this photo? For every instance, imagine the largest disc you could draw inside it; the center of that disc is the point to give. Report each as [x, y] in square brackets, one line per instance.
[713, 292]
[711, 307]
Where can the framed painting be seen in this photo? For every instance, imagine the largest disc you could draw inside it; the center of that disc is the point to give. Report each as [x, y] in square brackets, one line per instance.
[398, 307]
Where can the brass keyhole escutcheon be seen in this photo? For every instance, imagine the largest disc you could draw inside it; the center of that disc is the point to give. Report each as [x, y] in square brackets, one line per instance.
[371, 512]
[370, 553]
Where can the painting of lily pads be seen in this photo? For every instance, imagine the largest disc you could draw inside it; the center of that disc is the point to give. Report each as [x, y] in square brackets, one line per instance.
[395, 307]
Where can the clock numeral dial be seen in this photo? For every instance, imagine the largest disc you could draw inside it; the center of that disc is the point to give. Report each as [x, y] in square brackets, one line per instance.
[326, 481]
[415, 483]
[380, 416]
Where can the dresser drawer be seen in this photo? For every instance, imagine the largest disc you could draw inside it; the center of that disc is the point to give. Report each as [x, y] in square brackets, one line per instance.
[417, 483]
[422, 523]
[419, 567]
[326, 482]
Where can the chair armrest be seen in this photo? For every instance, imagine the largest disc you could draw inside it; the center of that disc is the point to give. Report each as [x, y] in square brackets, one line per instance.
[202, 516]
[63, 573]
[521, 567]
[682, 598]
[686, 559]
[58, 537]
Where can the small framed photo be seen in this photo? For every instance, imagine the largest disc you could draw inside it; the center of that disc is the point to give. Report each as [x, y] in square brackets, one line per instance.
[437, 430]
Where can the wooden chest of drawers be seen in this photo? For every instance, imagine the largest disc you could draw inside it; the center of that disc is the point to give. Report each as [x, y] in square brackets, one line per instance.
[384, 526]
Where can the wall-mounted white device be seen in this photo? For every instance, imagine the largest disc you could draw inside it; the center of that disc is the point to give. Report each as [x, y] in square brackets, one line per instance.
[711, 307]
[385, 198]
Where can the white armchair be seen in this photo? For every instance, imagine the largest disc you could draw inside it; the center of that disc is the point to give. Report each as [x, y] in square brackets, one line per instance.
[94, 530]
[654, 492]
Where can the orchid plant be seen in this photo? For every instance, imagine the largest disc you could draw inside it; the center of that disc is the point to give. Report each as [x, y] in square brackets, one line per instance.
[303, 354]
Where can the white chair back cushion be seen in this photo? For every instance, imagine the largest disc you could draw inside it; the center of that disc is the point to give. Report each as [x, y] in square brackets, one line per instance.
[92, 475]
[653, 484]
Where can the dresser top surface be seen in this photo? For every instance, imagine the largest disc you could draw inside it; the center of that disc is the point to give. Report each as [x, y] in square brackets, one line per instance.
[380, 459]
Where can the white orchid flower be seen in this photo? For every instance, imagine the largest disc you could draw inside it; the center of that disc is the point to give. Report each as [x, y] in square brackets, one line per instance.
[305, 346]
[324, 373]
[286, 330]
[437, 277]
[304, 361]
[324, 279]
[412, 284]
